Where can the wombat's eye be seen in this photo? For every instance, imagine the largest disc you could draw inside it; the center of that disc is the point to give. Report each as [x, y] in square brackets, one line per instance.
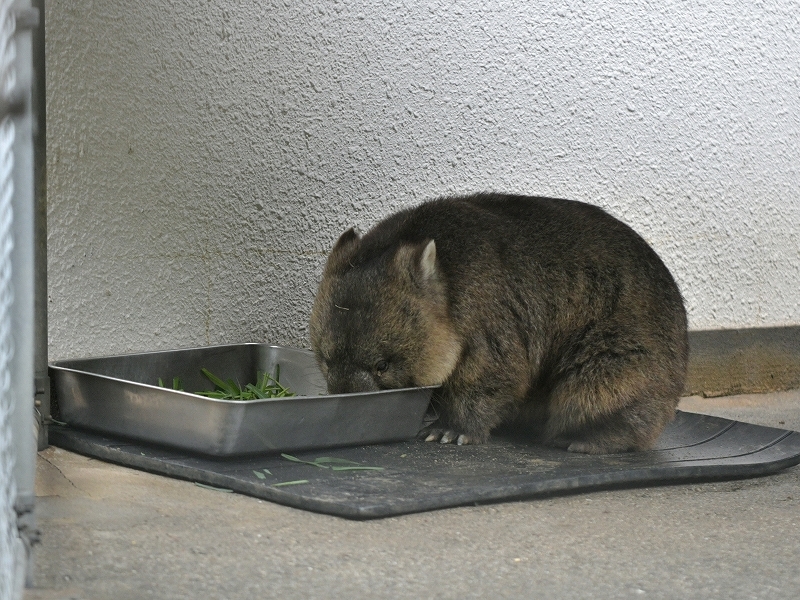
[381, 366]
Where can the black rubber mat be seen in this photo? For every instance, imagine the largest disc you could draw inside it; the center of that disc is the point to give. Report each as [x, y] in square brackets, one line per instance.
[416, 476]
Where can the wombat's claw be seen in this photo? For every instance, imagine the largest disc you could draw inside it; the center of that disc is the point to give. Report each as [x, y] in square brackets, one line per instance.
[446, 436]
[432, 435]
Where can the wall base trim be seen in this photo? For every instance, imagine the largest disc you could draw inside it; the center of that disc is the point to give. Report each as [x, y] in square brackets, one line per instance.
[743, 361]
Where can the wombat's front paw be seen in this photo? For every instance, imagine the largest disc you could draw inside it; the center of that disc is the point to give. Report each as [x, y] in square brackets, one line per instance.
[444, 436]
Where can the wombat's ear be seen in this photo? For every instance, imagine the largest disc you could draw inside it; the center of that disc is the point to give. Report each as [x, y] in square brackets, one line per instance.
[343, 251]
[418, 261]
[427, 261]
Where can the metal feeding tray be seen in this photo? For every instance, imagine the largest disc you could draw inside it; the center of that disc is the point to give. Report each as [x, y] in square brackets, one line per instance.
[120, 395]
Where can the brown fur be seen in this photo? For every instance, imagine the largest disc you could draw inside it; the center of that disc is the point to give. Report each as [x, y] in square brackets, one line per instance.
[545, 315]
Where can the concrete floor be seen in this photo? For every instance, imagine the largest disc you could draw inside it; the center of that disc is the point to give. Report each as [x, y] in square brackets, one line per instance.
[116, 533]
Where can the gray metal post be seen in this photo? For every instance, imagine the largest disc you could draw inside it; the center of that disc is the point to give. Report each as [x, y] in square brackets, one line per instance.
[22, 388]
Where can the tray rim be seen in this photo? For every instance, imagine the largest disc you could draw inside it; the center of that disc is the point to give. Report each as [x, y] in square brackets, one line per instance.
[60, 366]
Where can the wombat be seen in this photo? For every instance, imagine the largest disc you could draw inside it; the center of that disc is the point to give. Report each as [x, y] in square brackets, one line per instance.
[536, 314]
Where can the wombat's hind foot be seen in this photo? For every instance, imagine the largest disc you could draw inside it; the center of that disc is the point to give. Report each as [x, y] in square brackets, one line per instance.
[595, 447]
[589, 445]
[445, 436]
[612, 437]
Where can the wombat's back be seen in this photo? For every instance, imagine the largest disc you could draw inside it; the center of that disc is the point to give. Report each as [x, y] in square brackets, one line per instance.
[562, 260]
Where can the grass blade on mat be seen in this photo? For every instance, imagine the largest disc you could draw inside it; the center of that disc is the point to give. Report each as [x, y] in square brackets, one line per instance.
[333, 463]
[211, 487]
[285, 483]
[307, 462]
[356, 468]
[334, 460]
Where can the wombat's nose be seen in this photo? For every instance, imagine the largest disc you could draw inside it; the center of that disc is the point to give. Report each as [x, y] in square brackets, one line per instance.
[350, 382]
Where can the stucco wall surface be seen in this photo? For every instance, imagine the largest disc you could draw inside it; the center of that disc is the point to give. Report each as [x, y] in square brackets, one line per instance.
[204, 156]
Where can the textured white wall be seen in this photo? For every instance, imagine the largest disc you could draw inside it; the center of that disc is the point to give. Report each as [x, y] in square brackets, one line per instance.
[203, 156]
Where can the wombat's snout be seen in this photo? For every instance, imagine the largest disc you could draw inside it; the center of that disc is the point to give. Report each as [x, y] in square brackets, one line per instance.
[349, 382]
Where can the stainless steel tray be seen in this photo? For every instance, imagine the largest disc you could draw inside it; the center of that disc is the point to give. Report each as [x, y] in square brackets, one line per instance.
[119, 395]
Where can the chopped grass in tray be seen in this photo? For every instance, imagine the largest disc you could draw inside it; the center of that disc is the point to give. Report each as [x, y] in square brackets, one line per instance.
[266, 386]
